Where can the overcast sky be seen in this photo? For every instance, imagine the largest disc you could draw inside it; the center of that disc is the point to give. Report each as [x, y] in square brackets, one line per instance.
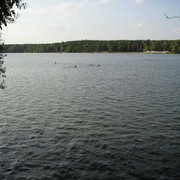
[49, 21]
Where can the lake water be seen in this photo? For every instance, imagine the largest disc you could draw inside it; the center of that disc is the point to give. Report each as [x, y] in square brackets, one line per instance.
[119, 120]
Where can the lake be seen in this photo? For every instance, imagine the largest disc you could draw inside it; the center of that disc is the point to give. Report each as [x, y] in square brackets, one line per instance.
[90, 116]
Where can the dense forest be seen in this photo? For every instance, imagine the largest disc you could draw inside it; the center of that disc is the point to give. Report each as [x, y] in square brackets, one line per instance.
[169, 46]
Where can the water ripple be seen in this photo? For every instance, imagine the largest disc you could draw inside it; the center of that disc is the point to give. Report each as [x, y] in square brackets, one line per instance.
[116, 121]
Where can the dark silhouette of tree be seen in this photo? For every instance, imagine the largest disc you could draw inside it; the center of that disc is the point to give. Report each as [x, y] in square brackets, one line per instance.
[2, 69]
[7, 11]
[7, 15]
[2, 72]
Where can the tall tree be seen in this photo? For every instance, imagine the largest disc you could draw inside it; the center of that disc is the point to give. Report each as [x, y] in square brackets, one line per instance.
[7, 15]
[2, 72]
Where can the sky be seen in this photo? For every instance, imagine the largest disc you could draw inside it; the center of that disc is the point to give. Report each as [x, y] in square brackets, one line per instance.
[50, 21]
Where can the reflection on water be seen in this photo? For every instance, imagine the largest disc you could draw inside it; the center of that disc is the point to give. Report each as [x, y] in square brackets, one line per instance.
[119, 120]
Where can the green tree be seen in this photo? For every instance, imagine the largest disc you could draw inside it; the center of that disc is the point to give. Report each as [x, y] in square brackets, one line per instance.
[175, 47]
[7, 15]
[7, 11]
[2, 71]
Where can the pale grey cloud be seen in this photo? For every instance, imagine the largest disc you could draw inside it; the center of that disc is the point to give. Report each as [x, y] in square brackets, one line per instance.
[63, 9]
[98, 1]
[176, 30]
[105, 1]
[140, 25]
[139, 1]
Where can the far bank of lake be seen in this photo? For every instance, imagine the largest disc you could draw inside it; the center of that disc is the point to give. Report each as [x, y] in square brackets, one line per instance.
[89, 46]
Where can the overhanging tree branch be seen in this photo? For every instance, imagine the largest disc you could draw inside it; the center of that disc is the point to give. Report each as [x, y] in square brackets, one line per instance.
[172, 17]
[7, 12]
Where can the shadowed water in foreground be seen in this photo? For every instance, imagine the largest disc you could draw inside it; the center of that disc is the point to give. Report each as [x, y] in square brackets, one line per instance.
[119, 120]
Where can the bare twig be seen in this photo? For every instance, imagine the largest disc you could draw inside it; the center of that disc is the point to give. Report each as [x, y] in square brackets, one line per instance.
[172, 17]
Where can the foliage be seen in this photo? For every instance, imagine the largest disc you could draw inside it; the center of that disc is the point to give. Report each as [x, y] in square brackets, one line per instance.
[2, 71]
[7, 12]
[171, 46]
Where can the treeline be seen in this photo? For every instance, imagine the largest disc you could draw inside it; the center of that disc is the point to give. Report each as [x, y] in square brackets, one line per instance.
[171, 46]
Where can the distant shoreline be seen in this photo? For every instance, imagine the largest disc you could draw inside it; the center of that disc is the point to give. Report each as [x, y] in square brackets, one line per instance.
[96, 46]
[103, 52]
[158, 52]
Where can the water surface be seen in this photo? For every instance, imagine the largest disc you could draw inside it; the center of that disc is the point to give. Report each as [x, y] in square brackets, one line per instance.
[119, 120]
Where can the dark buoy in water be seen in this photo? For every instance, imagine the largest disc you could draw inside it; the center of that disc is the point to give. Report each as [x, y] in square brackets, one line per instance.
[98, 64]
[75, 66]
